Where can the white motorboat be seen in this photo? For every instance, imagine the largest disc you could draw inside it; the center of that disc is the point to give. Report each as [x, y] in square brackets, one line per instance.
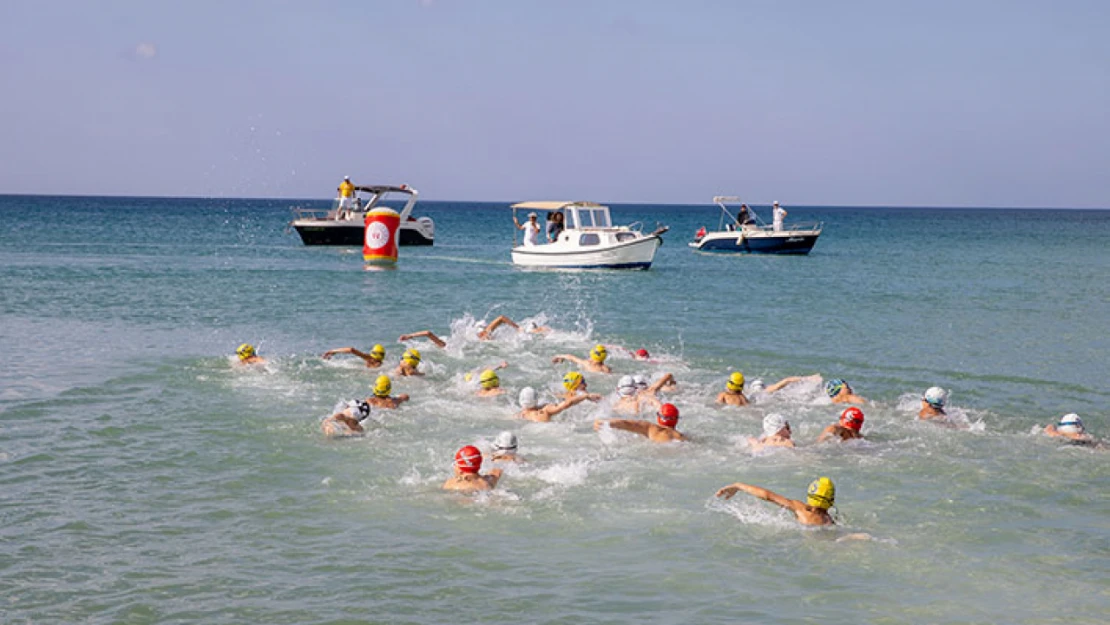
[754, 236]
[589, 240]
[347, 227]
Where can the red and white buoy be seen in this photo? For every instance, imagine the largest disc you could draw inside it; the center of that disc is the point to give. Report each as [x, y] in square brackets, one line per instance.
[379, 246]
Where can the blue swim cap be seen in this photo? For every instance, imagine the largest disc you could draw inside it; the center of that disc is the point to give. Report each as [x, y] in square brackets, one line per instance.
[834, 386]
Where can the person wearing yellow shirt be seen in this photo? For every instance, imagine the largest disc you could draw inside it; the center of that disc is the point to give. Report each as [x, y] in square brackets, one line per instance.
[346, 195]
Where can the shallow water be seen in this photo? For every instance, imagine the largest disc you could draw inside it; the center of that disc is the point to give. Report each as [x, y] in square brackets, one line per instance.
[148, 480]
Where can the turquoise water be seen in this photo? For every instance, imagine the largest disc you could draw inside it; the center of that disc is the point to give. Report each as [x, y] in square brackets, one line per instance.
[147, 480]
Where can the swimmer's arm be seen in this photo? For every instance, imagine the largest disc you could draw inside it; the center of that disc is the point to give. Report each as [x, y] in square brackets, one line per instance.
[350, 422]
[554, 409]
[783, 382]
[668, 378]
[571, 357]
[492, 477]
[721, 398]
[755, 491]
[339, 350]
[426, 334]
[400, 399]
[628, 425]
[826, 434]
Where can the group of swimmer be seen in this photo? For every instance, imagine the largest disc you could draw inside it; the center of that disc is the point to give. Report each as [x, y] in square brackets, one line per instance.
[634, 395]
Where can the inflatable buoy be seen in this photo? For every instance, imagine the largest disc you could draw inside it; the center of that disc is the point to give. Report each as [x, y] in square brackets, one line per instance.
[379, 244]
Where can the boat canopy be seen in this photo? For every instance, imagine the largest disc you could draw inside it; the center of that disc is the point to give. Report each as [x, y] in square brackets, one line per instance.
[550, 205]
[386, 188]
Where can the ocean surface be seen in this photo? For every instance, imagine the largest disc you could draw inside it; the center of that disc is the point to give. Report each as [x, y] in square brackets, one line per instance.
[144, 478]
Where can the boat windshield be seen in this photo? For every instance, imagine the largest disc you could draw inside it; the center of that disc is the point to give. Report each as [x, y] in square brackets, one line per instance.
[601, 218]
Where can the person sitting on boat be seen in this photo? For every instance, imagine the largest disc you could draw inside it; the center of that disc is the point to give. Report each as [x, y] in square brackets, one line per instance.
[778, 213]
[248, 355]
[346, 196]
[383, 386]
[531, 409]
[531, 229]
[745, 218]
[373, 358]
[410, 361]
[348, 421]
[662, 431]
[595, 363]
[847, 428]
[554, 226]
[815, 510]
[776, 433]
[468, 461]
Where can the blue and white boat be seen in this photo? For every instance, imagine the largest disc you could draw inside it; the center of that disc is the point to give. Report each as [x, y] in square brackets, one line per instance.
[754, 236]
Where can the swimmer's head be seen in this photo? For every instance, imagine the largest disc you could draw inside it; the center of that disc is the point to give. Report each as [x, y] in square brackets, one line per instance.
[756, 386]
[383, 386]
[489, 379]
[411, 357]
[640, 381]
[834, 386]
[821, 494]
[505, 442]
[735, 382]
[774, 423]
[599, 353]
[852, 418]
[573, 380]
[359, 409]
[935, 397]
[1071, 424]
[642, 353]
[667, 415]
[528, 397]
[245, 351]
[468, 459]
[377, 352]
[626, 387]
[530, 326]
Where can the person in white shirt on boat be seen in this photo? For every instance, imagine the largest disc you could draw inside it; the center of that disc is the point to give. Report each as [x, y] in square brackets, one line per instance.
[778, 213]
[531, 229]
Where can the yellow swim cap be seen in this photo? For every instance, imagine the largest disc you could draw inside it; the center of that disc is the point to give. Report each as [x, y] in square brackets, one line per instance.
[411, 356]
[822, 493]
[245, 351]
[735, 382]
[377, 352]
[383, 386]
[598, 353]
[572, 380]
[489, 379]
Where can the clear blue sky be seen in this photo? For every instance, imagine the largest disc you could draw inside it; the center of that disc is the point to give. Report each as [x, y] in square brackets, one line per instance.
[937, 103]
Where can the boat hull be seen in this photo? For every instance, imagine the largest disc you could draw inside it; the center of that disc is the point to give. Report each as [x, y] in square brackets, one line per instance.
[351, 234]
[637, 254]
[785, 242]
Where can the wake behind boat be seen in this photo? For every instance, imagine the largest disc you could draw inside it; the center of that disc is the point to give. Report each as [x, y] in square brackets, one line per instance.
[745, 233]
[589, 240]
[345, 224]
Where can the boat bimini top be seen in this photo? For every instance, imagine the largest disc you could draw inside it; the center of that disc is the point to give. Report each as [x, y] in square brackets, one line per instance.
[576, 215]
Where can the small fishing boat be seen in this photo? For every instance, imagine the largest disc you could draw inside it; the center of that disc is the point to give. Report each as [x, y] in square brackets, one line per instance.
[339, 226]
[755, 236]
[589, 240]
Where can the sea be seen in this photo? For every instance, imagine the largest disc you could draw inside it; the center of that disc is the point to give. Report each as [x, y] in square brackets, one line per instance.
[145, 477]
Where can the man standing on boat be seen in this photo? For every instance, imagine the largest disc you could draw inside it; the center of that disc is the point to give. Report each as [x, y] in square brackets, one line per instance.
[346, 195]
[531, 229]
[778, 213]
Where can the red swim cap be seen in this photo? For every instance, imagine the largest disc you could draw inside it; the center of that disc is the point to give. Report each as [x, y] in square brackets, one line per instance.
[852, 418]
[642, 353]
[468, 459]
[667, 416]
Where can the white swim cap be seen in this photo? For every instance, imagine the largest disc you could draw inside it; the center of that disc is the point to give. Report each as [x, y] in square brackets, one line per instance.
[527, 397]
[772, 423]
[505, 441]
[935, 397]
[626, 386]
[640, 381]
[756, 386]
[1070, 423]
[360, 409]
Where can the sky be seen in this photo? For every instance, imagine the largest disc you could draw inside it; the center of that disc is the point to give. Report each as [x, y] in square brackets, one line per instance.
[885, 103]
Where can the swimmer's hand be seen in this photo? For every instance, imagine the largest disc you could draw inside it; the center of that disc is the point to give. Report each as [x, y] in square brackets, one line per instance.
[556, 360]
[593, 396]
[728, 491]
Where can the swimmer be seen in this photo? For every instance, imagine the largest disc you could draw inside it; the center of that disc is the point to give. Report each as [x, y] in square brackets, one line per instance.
[595, 363]
[468, 461]
[932, 405]
[427, 334]
[1071, 428]
[639, 354]
[486, 332]
[531, 409]
[815, 510]
[410, 360]
[373, 358]
[574, 383]
[347, 422]
[733, 395]
[776, 433]
[662, 431]
[504, 448]
[489, 382]
[248, 356]
[851, 421]
[383, 386]
[631, 397]
[840, 392]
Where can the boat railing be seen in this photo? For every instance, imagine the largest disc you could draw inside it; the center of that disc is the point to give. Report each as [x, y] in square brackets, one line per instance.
[636, 226]
[314, 213]
[802, 226]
